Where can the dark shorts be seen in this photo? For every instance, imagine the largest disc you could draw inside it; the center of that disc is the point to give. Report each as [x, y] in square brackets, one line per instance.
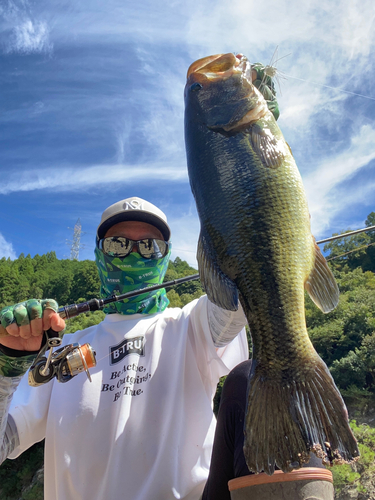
[228, 460]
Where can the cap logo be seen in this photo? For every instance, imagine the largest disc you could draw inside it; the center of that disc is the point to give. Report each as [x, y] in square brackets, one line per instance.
[133, 205]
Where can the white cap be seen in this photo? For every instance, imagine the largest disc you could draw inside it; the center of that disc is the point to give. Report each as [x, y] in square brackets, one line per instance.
[133, 209]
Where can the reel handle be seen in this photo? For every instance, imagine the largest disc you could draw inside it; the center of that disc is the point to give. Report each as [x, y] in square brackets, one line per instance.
[53, 338]
[41, 370]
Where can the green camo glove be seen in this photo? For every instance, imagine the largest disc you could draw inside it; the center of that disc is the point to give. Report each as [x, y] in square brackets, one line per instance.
[24, 312]
[16, 363]
[264, 83]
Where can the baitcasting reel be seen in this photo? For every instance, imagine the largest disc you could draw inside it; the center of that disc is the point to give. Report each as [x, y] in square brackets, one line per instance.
[64, 363]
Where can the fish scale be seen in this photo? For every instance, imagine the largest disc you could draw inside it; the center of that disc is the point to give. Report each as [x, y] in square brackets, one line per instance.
[256, 247]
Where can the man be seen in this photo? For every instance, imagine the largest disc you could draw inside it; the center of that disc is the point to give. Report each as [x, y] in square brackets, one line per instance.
[143, 429]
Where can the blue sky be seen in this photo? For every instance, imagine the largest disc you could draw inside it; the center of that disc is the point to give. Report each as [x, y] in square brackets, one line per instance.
[91, 109]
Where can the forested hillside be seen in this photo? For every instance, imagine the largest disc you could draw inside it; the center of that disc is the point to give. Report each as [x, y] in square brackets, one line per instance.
[345, 339]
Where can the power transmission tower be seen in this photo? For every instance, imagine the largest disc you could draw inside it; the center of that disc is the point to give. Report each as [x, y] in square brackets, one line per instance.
[74, 249]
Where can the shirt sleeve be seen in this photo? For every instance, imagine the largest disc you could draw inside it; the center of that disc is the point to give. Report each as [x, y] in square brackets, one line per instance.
[12, 369]
[213, 362]
[8, 431]
[29, 410]
[224, 325]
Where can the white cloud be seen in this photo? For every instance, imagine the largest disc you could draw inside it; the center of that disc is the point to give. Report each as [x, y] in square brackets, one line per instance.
[10, 10]
[30, 37]
[162, 106]
[256, 26]
[325, 41]
[122, 134]
[6, 249]
[73, 179]
[320, 185]
[354, 30]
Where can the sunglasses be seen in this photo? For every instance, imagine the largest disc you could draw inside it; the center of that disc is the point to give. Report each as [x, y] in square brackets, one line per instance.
[149, 248]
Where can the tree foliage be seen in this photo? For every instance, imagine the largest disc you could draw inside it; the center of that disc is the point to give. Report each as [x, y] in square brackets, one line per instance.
[354, 251]
[344, 338]
[43, 276]
[360, 475]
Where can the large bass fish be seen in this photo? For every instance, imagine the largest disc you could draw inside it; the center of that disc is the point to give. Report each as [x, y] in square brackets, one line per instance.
[255, 245]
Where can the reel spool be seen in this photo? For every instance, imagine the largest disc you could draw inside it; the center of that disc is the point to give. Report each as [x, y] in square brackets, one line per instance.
[78, 359]
[64, 363]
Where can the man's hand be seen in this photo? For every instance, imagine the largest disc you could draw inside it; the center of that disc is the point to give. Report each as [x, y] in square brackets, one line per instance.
[26, 322]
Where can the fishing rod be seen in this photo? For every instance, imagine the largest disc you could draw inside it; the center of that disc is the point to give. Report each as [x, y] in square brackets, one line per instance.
[346, 234]
[73, 310]
[72, 359]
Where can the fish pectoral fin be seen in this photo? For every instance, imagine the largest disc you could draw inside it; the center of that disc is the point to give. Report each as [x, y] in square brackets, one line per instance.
[267, 146]
[321, 284]
[220, 289]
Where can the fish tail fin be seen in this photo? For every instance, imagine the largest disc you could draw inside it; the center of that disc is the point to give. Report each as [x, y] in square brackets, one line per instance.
[284, 422]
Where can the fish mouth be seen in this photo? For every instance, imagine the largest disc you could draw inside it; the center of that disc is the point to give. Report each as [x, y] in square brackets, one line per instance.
[222, 66]
[245, 67]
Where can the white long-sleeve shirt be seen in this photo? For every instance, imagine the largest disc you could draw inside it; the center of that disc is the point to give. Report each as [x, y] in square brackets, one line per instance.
[143, 429]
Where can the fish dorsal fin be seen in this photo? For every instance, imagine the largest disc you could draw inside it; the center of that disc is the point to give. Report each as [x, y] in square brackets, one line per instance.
[270, 148]
[219, 288]
[321, 284]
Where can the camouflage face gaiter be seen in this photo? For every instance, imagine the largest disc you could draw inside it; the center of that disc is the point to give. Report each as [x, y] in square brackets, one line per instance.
[118, 276]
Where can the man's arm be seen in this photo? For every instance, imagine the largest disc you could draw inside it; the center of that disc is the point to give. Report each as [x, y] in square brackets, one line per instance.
[12, 369]
[21, 336]
[8, 431]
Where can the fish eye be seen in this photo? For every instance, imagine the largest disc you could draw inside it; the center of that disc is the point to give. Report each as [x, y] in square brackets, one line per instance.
[196, 86]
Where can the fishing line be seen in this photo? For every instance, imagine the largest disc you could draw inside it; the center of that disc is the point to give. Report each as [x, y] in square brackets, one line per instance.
[329, 87]
[351, 251]
[273, 72]
[73, 310]
[101, 359]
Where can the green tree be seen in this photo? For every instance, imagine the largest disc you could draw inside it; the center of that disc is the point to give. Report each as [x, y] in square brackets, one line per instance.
[335, 334]
[354, 251]
[174, 298]
[86, 281]
[8, 285]
[357, 368]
